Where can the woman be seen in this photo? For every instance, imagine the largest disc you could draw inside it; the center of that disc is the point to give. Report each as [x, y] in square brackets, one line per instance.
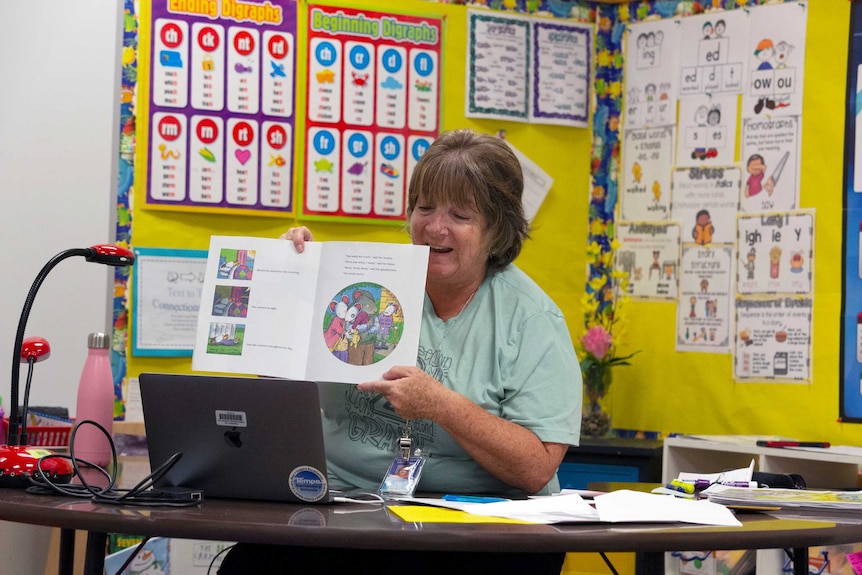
[495, 398]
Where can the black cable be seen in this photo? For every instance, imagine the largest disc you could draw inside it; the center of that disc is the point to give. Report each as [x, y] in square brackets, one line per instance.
[141, 494]
[608, 563]
[31, 361]
[134, 554]
[217, 555]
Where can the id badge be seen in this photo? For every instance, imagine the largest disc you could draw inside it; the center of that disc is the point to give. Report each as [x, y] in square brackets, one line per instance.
[402, 477]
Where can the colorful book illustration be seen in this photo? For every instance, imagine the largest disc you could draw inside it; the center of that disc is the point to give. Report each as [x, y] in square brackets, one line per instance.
[338, 312]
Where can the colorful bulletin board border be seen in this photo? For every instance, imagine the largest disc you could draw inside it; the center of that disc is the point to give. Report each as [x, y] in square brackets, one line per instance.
[216, 119]
[372, 109]
[850, 404]
[166, 299]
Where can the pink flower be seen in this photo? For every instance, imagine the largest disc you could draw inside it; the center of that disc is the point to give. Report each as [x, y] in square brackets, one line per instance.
[597, 341]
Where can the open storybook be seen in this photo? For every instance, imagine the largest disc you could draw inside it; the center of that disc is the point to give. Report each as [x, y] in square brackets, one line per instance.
[338, 312]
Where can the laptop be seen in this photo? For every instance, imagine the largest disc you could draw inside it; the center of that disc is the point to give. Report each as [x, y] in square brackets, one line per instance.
[240, 437]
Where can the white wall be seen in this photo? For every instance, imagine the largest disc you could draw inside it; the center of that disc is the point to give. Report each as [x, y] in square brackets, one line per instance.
[59, 116]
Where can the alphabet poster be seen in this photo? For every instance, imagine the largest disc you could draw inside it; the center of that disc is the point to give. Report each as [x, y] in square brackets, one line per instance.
[373, 108]
[216, 86]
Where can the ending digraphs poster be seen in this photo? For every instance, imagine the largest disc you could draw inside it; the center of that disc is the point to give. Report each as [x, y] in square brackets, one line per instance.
[373, 108]
[216, 106]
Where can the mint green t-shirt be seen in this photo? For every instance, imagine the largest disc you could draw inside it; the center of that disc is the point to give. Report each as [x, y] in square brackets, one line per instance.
[509, 351]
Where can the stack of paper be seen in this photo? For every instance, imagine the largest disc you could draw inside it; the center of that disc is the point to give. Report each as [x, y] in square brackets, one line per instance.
[786, 498]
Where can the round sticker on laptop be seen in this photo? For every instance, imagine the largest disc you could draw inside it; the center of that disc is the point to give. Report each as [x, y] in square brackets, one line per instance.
[308, 484]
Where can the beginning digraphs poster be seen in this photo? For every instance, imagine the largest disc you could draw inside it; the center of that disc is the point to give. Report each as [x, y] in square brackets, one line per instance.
[373, 108]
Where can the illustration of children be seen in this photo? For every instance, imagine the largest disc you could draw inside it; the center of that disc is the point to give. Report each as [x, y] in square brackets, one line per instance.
[703, 228]
[764, 52]
[797, 261]
[774, 262]
[713, 118]
[385, 322]
[757, 170]
[749, 263]
[701, 115]
[655, 266]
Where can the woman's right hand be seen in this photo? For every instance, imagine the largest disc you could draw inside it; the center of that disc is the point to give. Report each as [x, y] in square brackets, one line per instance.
[298, 236]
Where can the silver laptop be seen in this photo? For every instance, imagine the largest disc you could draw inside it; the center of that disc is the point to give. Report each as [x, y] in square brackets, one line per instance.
[240, 438]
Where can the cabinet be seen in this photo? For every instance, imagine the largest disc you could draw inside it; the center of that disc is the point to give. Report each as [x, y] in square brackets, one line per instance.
[609, 460]
[821, 468]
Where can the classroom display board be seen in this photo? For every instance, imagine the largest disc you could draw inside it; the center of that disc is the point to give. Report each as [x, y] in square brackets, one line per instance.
[851, 316]
[216, 121]
[709, 194]
[524, 69]
[373, 108]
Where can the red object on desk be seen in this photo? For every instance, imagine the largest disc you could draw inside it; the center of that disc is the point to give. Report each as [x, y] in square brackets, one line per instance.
[821, 444]
[43, 435]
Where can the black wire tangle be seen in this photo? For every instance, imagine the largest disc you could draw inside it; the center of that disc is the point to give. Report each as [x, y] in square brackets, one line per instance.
[141, 494]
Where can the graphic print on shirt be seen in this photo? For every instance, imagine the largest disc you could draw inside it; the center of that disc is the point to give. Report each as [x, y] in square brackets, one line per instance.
[374, 421]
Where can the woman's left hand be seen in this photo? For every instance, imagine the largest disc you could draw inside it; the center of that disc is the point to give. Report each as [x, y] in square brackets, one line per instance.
[413, 393]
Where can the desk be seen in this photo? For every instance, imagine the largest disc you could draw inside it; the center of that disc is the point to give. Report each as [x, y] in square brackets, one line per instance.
[354, 526]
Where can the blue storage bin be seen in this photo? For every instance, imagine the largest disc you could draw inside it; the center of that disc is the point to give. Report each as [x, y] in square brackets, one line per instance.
[578, 475]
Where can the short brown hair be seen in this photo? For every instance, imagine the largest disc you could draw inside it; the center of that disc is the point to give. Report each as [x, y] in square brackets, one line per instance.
[479, 172]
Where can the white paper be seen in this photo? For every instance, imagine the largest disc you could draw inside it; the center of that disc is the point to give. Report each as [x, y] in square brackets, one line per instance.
[339, 312]
[537, 182]
[625, 505]
[615, 507]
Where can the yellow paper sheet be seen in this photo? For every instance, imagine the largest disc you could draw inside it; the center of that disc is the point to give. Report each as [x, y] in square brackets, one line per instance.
[429, 514]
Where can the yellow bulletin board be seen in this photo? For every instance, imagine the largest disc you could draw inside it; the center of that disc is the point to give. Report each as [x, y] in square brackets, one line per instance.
[694, 392]
[554, 256]
[664, 390]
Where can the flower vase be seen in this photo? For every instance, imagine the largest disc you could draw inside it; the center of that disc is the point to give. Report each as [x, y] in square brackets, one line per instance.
[596, 413]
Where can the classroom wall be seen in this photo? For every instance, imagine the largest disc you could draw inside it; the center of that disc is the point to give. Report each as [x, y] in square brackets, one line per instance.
[664, 390]
[695, 393]
[554, 257]
[59, 63]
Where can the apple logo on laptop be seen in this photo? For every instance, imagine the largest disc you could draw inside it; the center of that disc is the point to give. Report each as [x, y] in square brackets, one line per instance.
[233, 438]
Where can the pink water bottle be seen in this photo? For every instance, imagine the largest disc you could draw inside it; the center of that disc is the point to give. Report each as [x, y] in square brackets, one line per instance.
[95, 402]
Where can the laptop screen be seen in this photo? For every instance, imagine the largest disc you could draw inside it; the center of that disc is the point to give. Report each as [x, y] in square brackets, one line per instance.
[240, 437]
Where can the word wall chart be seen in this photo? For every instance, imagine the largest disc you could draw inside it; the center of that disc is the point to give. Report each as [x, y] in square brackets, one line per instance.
[217, 83]
[523, 69]
[373, 107]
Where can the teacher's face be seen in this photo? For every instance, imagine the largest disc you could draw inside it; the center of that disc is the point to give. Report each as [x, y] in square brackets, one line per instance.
[456, 236]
